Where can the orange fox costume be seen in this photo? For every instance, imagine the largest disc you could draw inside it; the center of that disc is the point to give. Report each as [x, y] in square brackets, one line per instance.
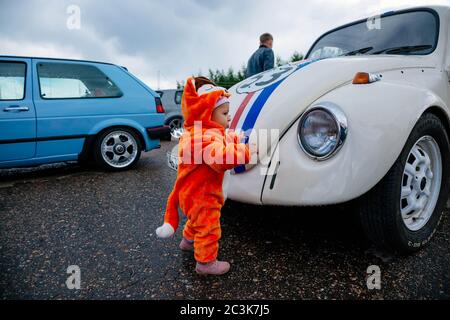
[198, 188]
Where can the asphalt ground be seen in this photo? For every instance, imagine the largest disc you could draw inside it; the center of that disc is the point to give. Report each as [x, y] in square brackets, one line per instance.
[55, 216]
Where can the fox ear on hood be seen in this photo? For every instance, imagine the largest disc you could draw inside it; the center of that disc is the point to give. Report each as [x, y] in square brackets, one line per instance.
[190, 89]
[199, 105]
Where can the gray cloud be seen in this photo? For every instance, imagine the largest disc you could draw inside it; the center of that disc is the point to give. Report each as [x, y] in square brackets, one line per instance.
[177, 38]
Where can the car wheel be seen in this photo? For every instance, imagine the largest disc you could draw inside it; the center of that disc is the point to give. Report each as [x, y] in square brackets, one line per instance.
[117, 149]
[174, 124]
[401, 213]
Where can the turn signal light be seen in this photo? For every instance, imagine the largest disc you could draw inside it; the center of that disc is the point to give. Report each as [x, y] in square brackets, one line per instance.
[365, 78]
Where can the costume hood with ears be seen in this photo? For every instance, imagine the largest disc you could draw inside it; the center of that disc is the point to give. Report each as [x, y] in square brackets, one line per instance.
[199, 99]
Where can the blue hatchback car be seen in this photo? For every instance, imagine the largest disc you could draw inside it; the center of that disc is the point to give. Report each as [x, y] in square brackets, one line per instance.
[54, 110]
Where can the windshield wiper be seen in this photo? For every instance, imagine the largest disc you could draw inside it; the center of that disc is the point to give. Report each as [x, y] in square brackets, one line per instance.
[404, 49]
[359, 51]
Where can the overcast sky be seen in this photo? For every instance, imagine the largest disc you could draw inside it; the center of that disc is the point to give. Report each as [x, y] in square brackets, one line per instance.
[176, 38]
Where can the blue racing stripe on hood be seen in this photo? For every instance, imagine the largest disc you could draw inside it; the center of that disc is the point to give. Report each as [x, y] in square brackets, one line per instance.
[257, 107]
[259, 103]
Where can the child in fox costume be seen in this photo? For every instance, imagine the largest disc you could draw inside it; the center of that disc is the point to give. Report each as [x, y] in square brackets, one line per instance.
[204, 156]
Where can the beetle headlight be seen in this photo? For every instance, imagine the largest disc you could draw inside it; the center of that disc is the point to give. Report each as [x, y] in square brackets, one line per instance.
[322, 130]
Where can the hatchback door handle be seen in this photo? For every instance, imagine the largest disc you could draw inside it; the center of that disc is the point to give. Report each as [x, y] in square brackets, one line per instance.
[15, 109]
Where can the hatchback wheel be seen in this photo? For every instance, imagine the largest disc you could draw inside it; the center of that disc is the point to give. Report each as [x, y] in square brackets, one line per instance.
[401, 213]
[117, 149]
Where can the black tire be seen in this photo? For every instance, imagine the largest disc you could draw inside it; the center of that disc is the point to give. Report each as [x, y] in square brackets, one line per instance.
[167, 137]
[380, 208]
[136, 143]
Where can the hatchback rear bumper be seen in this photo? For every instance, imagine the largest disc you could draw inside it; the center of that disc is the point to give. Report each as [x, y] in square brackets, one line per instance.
[158, 132]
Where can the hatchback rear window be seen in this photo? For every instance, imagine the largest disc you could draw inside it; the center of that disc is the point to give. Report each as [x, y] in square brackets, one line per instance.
[74, 81]
[12, 80]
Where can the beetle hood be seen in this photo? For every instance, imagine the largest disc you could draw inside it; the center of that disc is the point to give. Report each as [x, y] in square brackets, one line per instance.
[276, 98]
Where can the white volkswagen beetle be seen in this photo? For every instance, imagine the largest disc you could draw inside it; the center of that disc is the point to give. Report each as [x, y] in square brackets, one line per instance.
[366, 116]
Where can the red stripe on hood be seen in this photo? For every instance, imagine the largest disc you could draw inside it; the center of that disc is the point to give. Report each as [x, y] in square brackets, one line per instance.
[240, 110]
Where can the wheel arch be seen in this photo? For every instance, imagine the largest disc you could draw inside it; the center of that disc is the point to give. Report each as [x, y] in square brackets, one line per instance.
[442, 115]
[86, 152]
[174, 116]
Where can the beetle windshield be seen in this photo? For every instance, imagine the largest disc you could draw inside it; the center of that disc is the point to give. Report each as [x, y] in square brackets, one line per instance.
[405, 33]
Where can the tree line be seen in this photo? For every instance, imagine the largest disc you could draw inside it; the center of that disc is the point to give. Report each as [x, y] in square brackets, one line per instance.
[230, 77]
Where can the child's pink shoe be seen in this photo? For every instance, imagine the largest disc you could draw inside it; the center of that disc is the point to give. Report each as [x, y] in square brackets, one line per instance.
[186, 245]
[213, 268]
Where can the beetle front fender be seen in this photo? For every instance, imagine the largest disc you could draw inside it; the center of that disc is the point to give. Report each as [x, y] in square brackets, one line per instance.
[380, 117]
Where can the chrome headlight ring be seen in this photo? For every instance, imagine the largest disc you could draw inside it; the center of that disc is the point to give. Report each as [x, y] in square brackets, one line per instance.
[334, 112]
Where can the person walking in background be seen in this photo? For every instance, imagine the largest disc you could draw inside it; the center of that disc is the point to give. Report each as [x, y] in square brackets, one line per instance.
[262, 59]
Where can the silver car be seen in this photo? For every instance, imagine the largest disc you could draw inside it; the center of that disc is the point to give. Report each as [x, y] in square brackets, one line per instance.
[171, 100]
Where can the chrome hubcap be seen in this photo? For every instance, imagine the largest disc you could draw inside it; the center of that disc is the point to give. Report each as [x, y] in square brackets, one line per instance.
[119, 149]
[421, 183]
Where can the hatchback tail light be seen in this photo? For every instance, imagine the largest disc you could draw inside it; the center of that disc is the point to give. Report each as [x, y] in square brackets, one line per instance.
[159, 106]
